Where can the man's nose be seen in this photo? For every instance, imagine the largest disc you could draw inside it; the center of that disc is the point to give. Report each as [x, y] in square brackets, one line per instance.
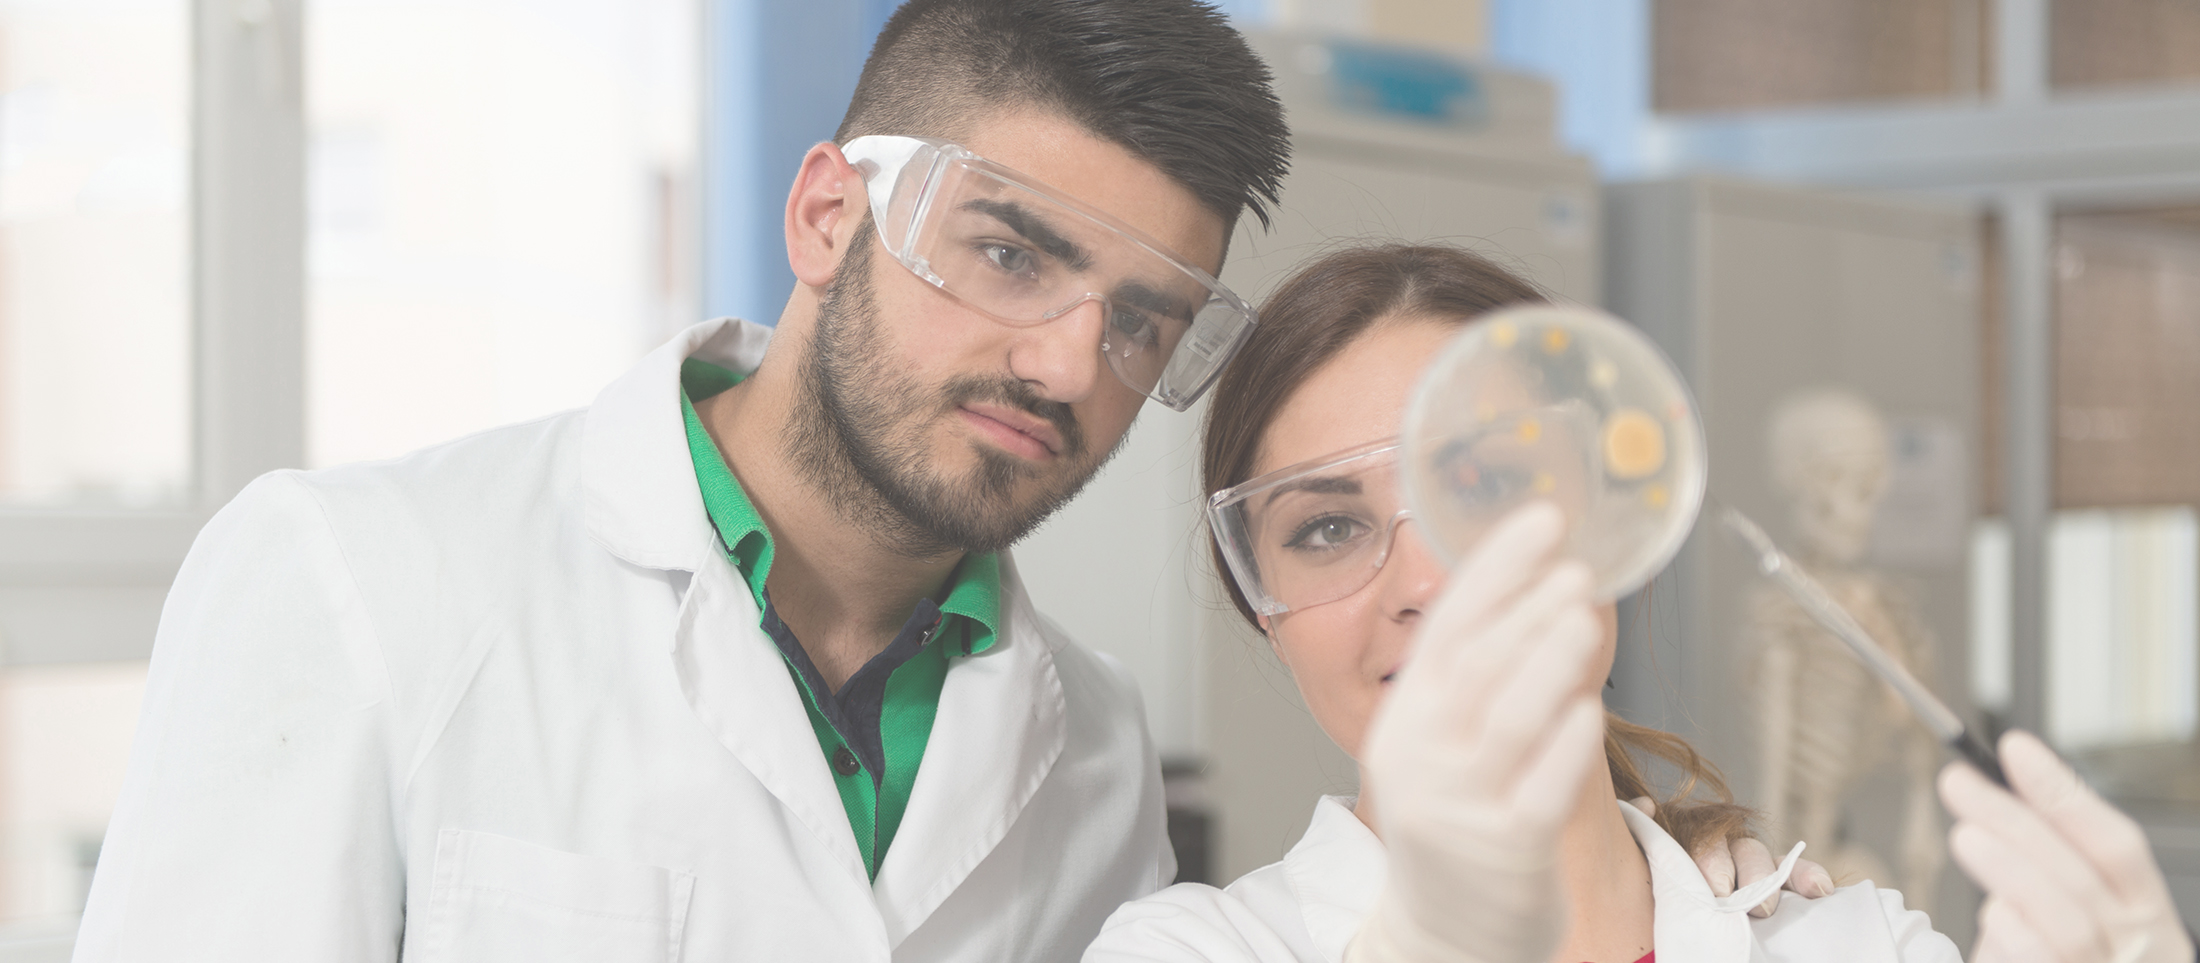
[1060, 359]
[1411, 574]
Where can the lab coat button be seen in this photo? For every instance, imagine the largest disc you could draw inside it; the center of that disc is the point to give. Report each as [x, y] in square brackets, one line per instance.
[844, 762]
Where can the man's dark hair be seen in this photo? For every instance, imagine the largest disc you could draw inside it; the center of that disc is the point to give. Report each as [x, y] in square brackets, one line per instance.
[1168, 80]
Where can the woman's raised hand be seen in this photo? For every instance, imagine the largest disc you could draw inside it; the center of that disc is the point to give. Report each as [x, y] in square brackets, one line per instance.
[1476, 757]
[2067, 877]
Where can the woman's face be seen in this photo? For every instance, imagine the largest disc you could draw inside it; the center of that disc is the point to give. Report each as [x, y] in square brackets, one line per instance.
[1343, 653]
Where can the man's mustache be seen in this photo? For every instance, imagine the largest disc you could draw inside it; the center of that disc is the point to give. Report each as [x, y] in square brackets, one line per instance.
[1018, 395]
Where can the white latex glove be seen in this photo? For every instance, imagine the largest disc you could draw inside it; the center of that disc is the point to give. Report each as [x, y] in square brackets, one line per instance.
[2067, 877]
[1477, 754]
[1733, 864]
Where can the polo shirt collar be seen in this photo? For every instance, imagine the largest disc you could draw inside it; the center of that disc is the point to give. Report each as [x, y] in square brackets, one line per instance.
[975, 589]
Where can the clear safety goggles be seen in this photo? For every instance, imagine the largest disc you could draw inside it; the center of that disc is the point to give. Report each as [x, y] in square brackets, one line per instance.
[1318, 531]
[1027, 254]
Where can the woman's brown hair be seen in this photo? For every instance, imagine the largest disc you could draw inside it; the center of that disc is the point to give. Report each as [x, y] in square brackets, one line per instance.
[1315, 315]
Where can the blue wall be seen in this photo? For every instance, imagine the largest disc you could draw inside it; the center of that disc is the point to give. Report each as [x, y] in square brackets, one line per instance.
[1598, 51]
[779, 75]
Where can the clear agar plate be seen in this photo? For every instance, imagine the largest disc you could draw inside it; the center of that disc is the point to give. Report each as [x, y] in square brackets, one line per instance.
[1567, 404]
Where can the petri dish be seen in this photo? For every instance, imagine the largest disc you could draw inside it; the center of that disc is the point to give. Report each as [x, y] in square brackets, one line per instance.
[1566, 404]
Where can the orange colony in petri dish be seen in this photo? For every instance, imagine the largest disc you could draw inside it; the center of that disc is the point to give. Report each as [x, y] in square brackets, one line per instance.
[1634, 445]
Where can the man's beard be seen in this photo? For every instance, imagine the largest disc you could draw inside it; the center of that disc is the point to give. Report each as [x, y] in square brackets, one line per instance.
[861, 434]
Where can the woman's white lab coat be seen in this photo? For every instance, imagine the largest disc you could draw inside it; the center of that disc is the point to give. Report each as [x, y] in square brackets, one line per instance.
[505, 699]
[1306, 908]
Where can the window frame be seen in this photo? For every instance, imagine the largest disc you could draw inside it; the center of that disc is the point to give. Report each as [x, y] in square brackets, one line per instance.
[247, 315]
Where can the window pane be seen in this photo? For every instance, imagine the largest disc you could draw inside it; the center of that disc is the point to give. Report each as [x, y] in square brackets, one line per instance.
[2123, 42]
[2123, 629]
[95, 395]
[499, 196]
[2127, 358]
[64, 741]
[1743, 54]
[2120, 626]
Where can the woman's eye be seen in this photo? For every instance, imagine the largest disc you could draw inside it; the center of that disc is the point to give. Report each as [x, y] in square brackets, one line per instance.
[1326, 532]
[1009, 258]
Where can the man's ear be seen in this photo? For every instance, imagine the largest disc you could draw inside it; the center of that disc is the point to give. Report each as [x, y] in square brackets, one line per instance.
[824, 207]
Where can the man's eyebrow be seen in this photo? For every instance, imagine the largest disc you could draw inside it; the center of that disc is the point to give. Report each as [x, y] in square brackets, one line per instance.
[1319, 485]
[1034, 229]
[1151, 301]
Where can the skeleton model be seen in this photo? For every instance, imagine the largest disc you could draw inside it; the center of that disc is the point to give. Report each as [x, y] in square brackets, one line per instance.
[1825, 721]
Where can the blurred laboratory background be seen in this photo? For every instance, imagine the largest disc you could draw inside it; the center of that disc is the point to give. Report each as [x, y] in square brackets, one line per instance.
[1931, 266]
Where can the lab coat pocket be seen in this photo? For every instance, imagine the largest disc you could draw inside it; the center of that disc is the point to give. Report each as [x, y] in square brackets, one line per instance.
[498, 899]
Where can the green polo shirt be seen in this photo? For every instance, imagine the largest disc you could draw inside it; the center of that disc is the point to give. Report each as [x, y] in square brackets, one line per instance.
[873, 731]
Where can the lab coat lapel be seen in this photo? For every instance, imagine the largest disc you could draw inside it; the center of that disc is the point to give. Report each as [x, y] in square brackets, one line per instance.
[642, 501]
[737, 682]
[999, 730]
[1690, 924]
[645, 506]
[1335, 872]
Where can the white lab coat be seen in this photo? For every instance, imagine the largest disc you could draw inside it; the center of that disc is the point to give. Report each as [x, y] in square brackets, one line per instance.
[506, 699]
[1307, 907]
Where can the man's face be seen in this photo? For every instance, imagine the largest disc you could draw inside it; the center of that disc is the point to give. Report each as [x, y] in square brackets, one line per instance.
[947, 429]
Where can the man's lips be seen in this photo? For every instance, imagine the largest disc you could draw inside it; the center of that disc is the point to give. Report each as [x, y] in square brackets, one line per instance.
[1019, 432]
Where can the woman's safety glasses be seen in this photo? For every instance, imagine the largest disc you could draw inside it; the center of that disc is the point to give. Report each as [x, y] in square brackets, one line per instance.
[1319, 530]
[1027, 254]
